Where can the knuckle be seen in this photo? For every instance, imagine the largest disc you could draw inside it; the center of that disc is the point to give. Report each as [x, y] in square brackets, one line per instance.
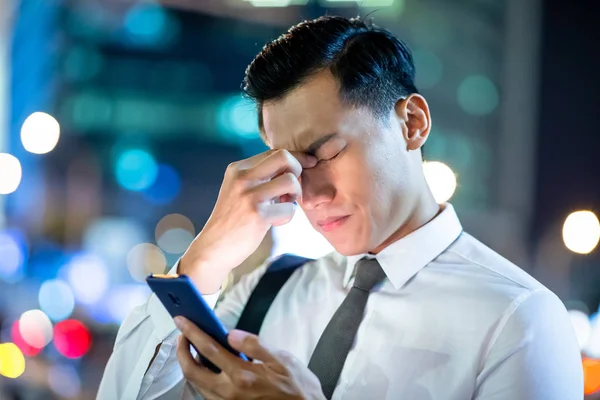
[242, 378]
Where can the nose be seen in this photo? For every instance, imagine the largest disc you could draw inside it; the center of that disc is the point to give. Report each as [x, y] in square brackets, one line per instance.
[317, 189]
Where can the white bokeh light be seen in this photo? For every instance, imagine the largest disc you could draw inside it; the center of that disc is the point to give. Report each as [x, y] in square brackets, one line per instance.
[88, 277]
[10, 178]
[40, 133]
[441, 180]
[174, 233]
[123, 298]
[35, 328]
[581, 326]
[145, 259]
[581, 232]
[56, 299]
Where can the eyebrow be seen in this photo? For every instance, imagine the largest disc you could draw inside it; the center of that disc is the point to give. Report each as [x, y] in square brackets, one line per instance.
[314, 147]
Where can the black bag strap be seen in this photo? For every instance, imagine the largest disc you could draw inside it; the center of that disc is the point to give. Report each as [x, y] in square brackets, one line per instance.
[267, 289]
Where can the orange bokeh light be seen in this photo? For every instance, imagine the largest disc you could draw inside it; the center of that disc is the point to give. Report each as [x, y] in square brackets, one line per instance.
[591, 375]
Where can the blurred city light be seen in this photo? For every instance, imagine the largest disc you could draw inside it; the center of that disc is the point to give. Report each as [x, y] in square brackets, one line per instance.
[64, 381]
[441, 180]
[237, 117]
[591, 375]
[592, 347]
[148, 24]
[12, 362]
[13, 253]
[145, 259]
[56, 299]
[82, 63]
[166, 186]
[362, 3]
[270, 3]
[136, 170]
[16, 337]
[581, 232]
[174, 233]
[581, 326]
[88, 277]
[124, 298]
[35, 328]
[111, 239]
[11, 173]
[40, 133]
[477, 95]
[72, 338]
[300, 238]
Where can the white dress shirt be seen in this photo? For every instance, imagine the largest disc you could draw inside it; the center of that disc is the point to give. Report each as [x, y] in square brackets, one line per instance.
[453, 321]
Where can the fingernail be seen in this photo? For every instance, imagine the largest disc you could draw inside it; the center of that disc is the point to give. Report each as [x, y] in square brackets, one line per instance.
[312, 160]
[179, 322]
[236, 337]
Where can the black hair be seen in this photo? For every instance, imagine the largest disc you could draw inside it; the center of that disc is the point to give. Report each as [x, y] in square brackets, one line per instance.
[373, 67]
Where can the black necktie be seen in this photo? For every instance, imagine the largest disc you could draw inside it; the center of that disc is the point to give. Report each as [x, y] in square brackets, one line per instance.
[334, 345]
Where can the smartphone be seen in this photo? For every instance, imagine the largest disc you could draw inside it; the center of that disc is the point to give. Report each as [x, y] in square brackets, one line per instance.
[180, 297]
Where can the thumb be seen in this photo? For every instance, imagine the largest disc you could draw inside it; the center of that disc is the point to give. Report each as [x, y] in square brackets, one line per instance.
[250, 345]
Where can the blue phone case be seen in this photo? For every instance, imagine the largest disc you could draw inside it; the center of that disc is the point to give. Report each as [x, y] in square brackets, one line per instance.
[180, 297]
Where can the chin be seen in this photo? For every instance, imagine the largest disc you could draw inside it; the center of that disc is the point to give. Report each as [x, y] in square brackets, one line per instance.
[348, 247]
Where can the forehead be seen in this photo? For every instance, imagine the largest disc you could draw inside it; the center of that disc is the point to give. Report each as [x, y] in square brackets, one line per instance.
[308, 112]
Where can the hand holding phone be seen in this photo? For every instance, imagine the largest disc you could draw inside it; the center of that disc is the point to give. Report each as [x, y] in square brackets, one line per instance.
[180, 297]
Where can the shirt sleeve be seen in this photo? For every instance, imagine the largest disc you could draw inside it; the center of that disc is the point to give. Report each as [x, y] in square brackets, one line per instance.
[535, 355]
[127, 375]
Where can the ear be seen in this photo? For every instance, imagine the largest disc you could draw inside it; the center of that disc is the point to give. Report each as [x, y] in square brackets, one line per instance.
[414, 111]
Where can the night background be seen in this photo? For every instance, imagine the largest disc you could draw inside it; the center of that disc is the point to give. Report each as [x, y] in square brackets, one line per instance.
[146, 97]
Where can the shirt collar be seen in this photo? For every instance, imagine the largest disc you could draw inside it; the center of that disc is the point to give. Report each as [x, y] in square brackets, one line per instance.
[405, 257]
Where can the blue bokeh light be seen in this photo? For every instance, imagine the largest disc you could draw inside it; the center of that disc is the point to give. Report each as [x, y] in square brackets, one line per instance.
[56, 299]
[136, 170]
[166, 186]
[14, 253]
[149, 24]
[237, 118]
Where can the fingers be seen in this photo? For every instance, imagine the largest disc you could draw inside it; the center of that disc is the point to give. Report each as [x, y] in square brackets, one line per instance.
[251, 346]
[207, 346]
[277, 214]
[193, 372]
[285, 184]
[278, 162]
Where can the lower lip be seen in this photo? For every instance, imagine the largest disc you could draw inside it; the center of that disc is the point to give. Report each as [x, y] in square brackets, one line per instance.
[334, 225]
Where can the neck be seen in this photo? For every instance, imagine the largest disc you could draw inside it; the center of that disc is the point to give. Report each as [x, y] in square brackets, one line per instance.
[425, 210]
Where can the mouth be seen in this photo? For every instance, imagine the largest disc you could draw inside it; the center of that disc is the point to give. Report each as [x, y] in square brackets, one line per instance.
[332, 223]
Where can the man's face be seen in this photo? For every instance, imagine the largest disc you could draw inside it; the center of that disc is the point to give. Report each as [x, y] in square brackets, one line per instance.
[365, 184]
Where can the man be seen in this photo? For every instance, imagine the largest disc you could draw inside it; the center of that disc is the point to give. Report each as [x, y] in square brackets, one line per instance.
[407, 307]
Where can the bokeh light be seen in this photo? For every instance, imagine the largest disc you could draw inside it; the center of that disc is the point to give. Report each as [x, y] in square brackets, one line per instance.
[72, 338]
[581, 232]
[18, 340]
[174, 233]
[10, 178]
[149, 24]
[477, 95]
[592, 347]
[56, 299]
[136, 169]
[35, 328]
[12, 362]
[88, 278]
[441, 180]
[237, 118]
[591, 375]
[124, 298]
[82, 63]
[64, 381]
[145, 259]
[581, 326]
[110, 239]
[13, 253]
[166, 186]
[300, 238]
[40, 133]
